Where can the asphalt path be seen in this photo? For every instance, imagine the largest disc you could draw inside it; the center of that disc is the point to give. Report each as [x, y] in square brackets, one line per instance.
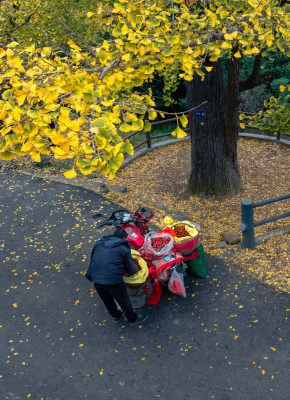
[229, 339]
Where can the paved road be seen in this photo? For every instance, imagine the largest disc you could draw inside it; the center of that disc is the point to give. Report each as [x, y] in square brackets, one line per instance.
[226, 340]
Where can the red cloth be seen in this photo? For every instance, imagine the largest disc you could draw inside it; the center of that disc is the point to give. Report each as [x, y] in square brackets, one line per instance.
[187, 245]
[169, 230]
[195, 254]
[154, 273]
[156, 293]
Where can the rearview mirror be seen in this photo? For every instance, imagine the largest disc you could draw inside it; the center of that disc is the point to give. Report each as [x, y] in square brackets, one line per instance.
[97, 216]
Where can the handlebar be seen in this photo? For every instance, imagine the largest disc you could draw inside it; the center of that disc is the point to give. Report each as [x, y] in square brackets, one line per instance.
[113, 222]
[138, 220]
[102, 224]
[108, 222]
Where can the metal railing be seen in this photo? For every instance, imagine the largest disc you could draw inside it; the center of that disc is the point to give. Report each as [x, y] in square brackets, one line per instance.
[149, 137]
[247, 126]
[248, 225]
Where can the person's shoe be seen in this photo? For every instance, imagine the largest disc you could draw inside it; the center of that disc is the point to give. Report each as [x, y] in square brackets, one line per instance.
[118, 319]
[140, 318]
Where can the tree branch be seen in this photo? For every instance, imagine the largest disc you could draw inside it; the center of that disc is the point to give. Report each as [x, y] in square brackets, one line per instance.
[248, 84]
[162, 112]
[15, 26]
[256, 67]
[257, 79]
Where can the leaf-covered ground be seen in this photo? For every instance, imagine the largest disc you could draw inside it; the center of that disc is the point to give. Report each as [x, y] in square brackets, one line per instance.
[160, 178]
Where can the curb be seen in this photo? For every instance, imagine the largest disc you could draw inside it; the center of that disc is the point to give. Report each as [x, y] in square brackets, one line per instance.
[88, 184]
[272, 139]
[146, 150]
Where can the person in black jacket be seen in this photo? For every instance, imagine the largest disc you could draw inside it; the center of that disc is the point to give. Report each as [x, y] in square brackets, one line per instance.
[110, 257]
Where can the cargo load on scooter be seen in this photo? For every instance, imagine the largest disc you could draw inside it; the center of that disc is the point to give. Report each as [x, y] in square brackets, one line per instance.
[186, 241]
[160, 270]
[142, 274]
[196, 263]
[163, 258]
[165, 263]
[157, 244]
[185, 235]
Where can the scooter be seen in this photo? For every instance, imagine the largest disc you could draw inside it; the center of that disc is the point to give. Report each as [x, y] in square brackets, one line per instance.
[135, 225]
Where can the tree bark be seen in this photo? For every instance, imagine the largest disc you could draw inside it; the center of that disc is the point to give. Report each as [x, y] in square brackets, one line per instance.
[214, 164]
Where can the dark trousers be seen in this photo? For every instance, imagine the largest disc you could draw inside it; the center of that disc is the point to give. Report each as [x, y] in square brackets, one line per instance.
[110, 293]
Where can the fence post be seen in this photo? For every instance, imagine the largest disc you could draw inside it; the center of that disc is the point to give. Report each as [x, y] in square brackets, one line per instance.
[148, 137]
[247, 225]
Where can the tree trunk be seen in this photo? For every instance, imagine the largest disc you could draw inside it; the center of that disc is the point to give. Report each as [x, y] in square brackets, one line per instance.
[214, 164]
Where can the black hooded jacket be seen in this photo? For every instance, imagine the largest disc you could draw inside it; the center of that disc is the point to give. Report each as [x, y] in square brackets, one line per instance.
[110, 257]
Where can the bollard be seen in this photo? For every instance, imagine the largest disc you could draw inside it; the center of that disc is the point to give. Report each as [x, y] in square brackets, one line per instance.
[247, 225]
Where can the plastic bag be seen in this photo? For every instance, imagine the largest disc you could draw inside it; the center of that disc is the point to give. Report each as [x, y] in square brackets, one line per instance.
[157, 244]
[141, 275]
[176, 284]
[164, 264]
[189, 227]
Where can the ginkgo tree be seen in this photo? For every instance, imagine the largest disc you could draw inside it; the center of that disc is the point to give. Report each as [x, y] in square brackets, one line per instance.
[48, 21]
[80, 106]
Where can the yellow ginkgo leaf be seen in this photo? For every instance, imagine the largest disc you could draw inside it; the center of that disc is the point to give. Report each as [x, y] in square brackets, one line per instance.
[168, 220]
[125, 29]
[70, 174]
